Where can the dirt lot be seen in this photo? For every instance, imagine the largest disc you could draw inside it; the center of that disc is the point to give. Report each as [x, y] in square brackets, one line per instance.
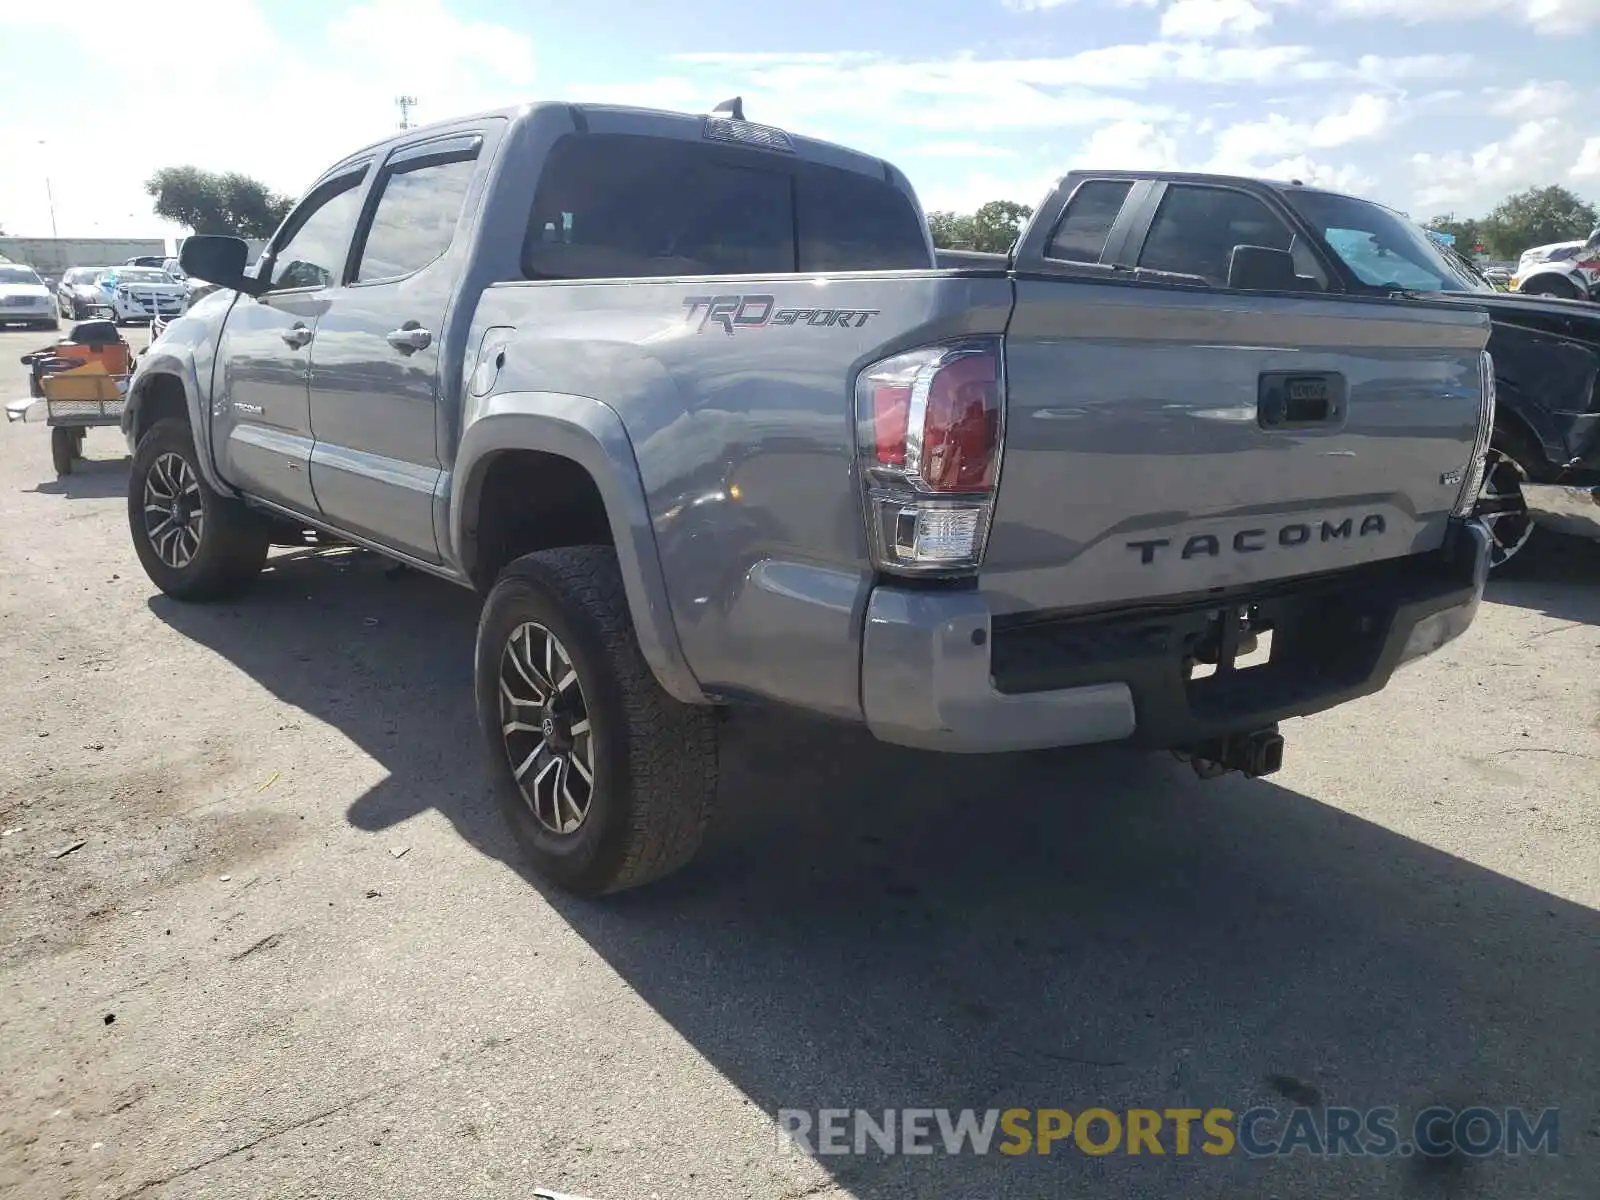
[294, 955]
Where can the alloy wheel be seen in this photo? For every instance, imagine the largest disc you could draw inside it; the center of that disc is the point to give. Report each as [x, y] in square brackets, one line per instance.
[174, 518]
[544, 720]
[1502, 508]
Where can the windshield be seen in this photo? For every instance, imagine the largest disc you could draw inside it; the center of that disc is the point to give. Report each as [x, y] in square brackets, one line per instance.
[18, 275]
[1382, 248]
[80, 275]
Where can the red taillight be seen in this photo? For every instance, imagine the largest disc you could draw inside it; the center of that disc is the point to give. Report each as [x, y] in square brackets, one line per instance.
[891, 406]
[961, 425]
[929, 423]
[936, 412]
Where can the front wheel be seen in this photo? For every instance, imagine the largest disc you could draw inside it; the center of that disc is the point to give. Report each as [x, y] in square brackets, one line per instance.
[1502, 508]
[605, 780]
[1554, 286]
[194, 543]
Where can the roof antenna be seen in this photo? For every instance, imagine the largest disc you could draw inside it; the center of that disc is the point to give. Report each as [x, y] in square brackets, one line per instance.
[734, 108]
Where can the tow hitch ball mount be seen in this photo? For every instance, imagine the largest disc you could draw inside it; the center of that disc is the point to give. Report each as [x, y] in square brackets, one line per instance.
[1254, 754]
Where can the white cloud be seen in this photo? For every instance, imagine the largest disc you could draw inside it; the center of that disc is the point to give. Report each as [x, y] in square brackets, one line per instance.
[1338, 177]
[1533, 154]
[1211, 18]
[243, 100]
[1545, 16]
[958, 149]
[1588, 164]
[1534, 99]
[1244, 147]
[1130, 146]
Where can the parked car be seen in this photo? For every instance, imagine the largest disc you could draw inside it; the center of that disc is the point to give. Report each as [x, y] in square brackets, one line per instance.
[1544, 466]
[1567, 270]
[142, 293]
[78, 295]
[146, 260]
[746, 442]
[25, 298]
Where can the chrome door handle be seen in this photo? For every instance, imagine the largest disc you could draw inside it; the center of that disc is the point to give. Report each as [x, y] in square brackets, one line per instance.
[409, 338]
[298, 335]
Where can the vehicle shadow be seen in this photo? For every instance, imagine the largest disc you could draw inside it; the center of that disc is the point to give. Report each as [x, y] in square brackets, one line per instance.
[875, 928]
[91, 479]
[1562, 579]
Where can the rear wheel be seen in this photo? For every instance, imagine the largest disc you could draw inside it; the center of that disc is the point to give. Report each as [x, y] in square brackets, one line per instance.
[194, 543]
[605, 780]
[65, 446]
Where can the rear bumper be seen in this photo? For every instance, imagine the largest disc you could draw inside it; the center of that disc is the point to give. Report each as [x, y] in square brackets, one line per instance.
[1564, 508]
[939, 672]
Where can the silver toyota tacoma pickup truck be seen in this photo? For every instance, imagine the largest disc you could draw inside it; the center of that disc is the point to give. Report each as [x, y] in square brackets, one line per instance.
[687, 400]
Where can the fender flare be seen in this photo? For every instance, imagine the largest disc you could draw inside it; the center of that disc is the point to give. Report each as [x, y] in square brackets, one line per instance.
[1566, 273]
[589, 433]
[176, 363]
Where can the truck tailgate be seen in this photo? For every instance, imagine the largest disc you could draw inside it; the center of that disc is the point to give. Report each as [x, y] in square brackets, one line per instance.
[1161, 442]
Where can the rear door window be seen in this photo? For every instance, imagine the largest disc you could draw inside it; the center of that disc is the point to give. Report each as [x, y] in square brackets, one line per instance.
[1086, 223]
[616, 206]
[416, 215]
[1196, 229]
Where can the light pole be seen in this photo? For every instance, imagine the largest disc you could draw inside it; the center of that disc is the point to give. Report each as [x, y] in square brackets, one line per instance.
[48, 194]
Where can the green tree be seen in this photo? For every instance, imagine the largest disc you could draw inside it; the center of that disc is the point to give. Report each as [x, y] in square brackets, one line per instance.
[1536, 217]
[996, 225]
[951, 231]
[209, 202]
[1468, 232]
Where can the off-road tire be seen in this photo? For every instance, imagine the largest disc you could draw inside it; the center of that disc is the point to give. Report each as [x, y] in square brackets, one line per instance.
[1510, 443]
[654, 758]
[233, 541]
[63, 449]
[1561, 289]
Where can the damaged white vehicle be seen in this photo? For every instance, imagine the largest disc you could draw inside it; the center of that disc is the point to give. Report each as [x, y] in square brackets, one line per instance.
[142, 293]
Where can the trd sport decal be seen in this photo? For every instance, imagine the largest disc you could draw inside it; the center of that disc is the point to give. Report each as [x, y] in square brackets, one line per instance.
[757, 312]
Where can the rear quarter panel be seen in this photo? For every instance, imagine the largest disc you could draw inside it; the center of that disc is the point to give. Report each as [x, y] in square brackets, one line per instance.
[744, 437]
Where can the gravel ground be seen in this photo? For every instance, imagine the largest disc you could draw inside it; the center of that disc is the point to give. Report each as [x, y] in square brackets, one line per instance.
[294, 955]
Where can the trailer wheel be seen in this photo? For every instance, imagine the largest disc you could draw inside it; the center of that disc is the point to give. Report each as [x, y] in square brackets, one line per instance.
[64, 446]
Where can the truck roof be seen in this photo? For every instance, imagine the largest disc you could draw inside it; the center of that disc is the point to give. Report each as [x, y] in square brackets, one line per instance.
[1279, 185]
[658, 121]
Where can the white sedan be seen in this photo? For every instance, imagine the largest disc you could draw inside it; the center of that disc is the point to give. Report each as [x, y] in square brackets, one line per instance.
[25, 299]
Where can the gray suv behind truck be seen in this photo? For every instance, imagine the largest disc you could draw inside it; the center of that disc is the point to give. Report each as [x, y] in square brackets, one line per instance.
[689, 402]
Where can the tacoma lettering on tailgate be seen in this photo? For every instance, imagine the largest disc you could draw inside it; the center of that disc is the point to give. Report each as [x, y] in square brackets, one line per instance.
[1252, 541]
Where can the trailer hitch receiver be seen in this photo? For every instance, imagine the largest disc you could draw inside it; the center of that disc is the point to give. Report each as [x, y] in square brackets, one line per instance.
[1255, 754]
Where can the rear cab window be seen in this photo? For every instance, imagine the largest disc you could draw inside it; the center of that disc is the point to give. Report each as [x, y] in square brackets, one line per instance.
[625, 206]
[1086, 222]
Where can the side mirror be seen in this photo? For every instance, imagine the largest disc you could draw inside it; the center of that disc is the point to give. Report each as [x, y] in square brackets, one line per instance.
[1262, 269]
[218, 260]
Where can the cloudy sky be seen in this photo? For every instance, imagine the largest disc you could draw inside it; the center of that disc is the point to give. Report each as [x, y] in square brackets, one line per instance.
[1429, 105]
